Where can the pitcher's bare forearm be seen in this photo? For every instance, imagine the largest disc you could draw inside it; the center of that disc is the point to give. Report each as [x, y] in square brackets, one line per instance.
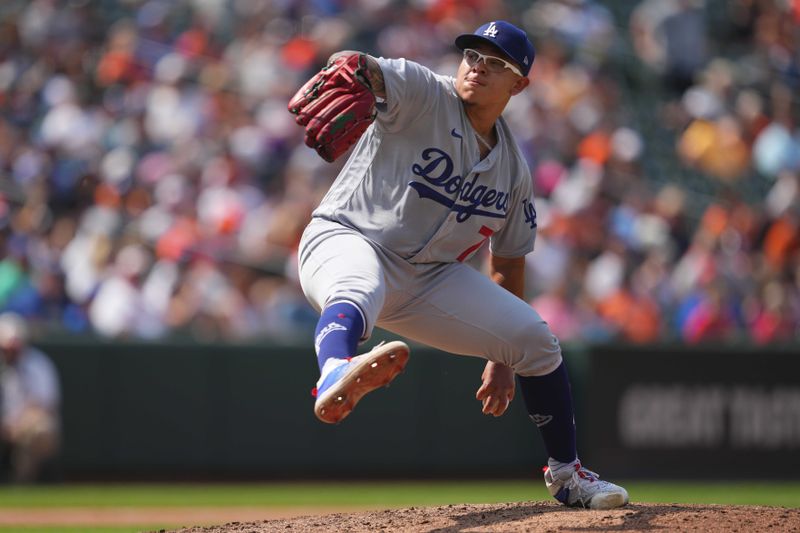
[374, 73]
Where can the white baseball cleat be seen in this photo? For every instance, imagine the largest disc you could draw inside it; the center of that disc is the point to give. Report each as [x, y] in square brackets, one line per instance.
[345, 381]
[577, 486]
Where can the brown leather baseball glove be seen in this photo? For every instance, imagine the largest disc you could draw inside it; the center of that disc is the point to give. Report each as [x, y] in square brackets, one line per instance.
[336, 106]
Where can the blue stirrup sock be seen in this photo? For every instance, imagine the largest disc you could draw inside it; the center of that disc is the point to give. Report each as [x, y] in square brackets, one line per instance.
[549, 403]
[338, 331]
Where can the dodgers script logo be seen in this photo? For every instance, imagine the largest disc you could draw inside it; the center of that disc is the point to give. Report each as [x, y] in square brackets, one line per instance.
[438, 172]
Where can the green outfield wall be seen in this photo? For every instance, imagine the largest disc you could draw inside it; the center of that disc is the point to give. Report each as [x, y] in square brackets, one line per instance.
[183, 410]
[161, 411]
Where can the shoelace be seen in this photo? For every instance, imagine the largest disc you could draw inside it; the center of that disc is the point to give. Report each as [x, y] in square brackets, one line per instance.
[585, 473]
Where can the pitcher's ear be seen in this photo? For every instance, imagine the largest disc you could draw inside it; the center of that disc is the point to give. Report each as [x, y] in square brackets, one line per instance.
[520, 85]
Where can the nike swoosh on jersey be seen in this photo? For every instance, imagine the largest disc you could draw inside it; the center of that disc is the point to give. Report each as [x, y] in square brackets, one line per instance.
[455, 134]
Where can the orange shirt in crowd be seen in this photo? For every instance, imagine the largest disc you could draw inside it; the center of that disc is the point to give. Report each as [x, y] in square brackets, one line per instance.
[636, 318]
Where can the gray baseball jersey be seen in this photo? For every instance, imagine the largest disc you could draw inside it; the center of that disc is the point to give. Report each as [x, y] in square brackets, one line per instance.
[415, 183]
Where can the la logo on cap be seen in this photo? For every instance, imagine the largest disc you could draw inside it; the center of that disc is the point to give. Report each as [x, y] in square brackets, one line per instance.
[491, 31]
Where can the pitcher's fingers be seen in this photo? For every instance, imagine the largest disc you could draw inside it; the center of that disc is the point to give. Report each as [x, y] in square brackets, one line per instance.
[502, 407]
[490, 405]
[482, 393]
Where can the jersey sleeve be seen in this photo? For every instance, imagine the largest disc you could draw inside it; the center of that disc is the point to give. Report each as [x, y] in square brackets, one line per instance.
[517, 237]
[411, 89]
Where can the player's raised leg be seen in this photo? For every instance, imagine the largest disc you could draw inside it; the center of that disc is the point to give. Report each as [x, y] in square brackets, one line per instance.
[442, 313]
[343, 278]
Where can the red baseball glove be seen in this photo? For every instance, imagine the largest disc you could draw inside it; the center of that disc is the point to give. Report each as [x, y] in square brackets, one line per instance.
[336, 106]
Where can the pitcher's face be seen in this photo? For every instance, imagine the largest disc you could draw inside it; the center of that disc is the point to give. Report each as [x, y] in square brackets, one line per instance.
[486, 76]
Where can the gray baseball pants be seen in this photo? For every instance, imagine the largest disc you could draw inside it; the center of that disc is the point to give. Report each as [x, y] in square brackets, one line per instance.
[449, 306]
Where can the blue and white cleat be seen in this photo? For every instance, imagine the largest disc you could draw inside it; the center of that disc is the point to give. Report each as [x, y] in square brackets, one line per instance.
[576, 486]
[342, 385]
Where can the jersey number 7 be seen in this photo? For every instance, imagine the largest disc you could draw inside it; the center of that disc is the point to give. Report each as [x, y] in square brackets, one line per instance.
[486, 232]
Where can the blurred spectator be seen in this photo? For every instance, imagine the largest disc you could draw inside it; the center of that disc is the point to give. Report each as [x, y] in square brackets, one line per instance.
[634, 317]
[30, 428]
[670, 37]
[584, 26]
[774, 320]
[708, 316]
[716, 147]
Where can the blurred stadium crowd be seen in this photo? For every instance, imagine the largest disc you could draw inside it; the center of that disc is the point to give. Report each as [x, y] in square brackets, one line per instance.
[152, 182]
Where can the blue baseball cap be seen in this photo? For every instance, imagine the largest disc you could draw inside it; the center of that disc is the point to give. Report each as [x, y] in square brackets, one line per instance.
[505, 36]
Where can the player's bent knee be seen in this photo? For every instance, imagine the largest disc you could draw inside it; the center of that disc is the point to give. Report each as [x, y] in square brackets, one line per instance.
[540, 352]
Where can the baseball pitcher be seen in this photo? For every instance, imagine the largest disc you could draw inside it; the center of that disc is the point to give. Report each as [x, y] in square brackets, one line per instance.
[435, 174]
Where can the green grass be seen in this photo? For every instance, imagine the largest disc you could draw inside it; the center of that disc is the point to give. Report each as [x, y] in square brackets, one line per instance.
[384, 494]
[79, 529]
[780, 494]
[395, 494]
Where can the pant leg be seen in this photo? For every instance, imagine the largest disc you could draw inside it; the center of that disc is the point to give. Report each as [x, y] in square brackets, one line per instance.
[338, 264]
[37, 440]
[459, 310]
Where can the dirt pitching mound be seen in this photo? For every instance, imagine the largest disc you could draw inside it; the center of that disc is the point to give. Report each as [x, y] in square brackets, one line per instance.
[535, 516]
